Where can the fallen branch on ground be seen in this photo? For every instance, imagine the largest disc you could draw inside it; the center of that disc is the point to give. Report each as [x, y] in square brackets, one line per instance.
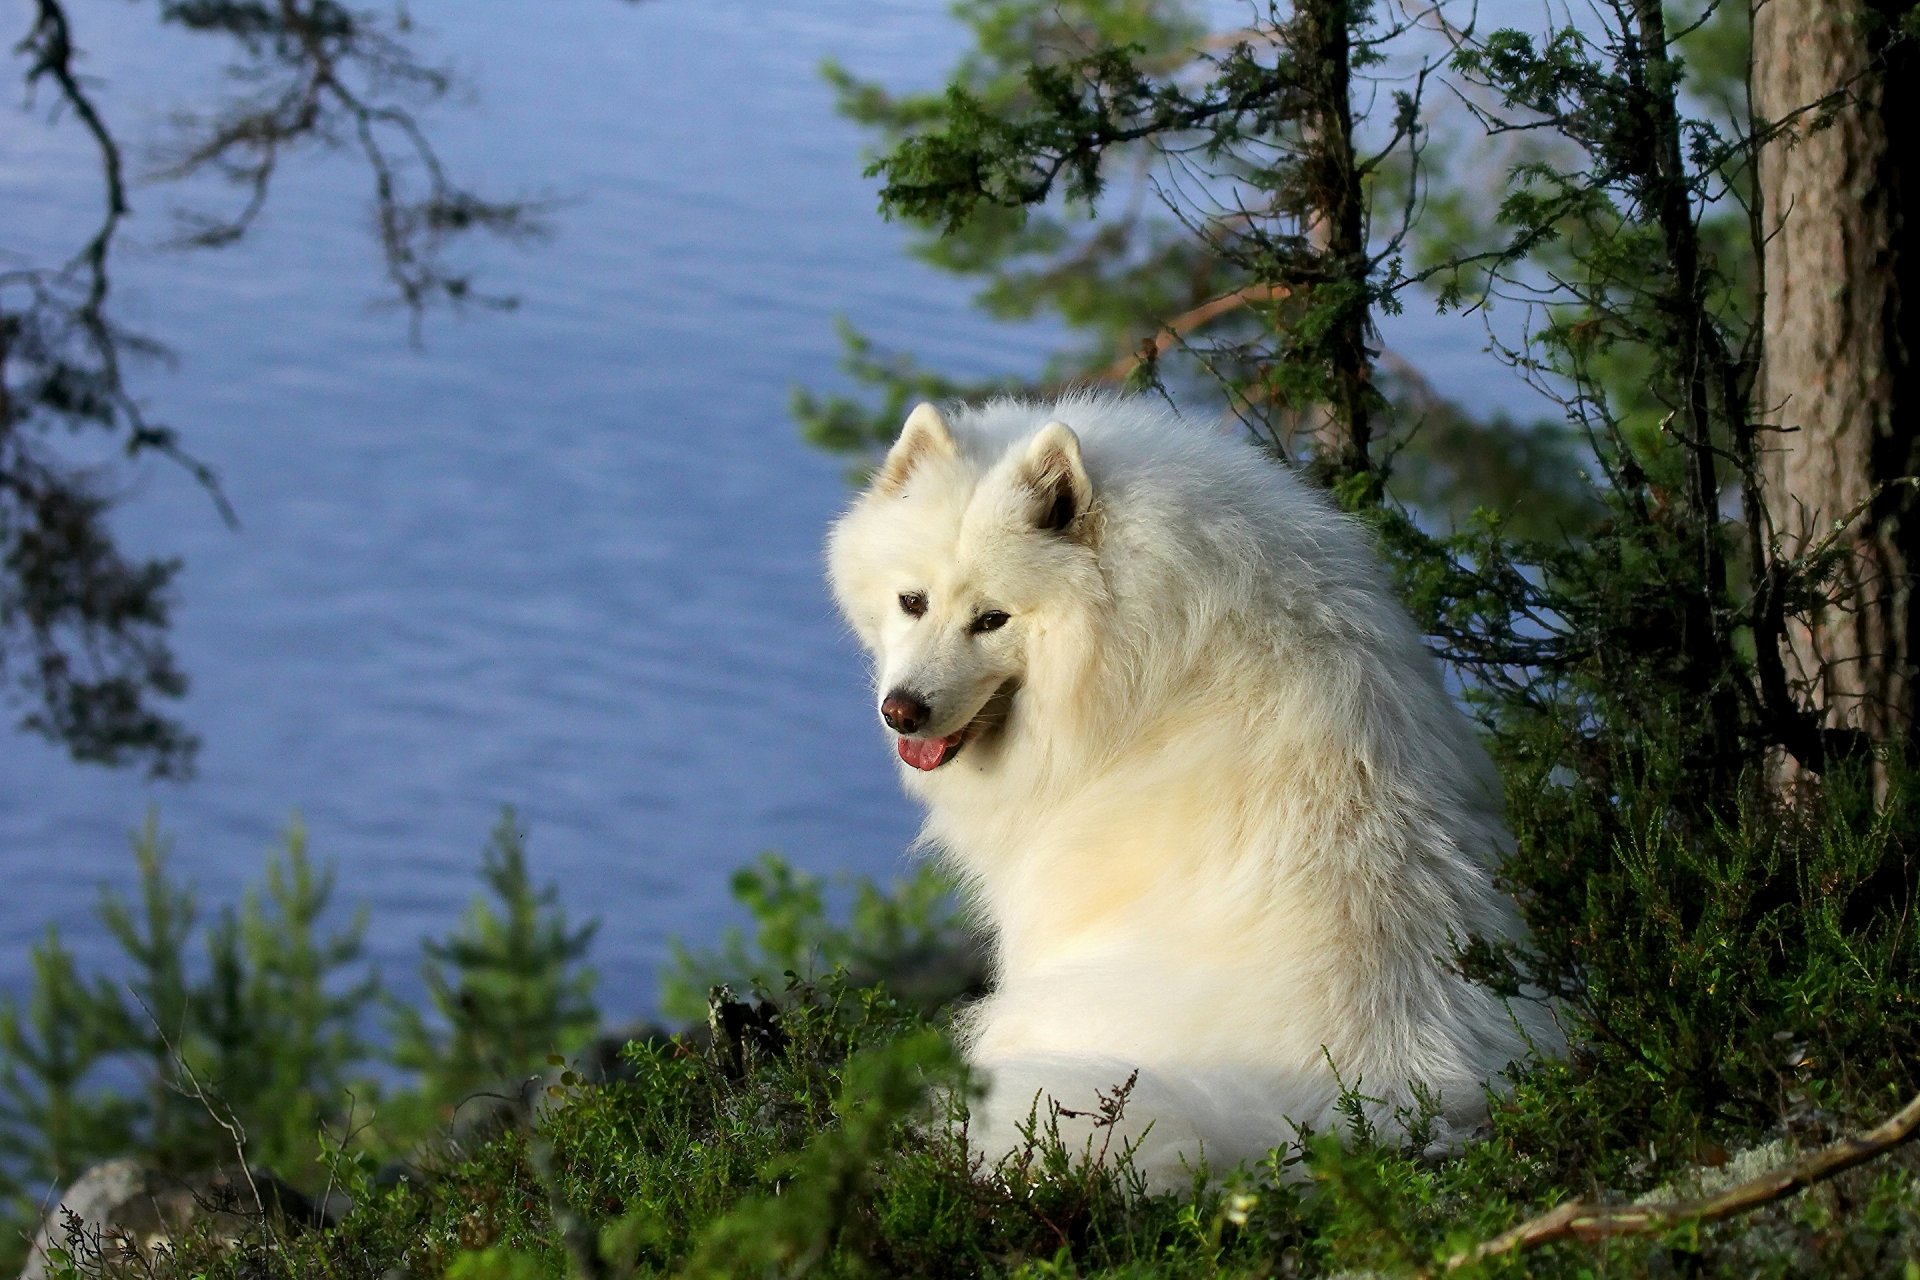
[1577, 1220]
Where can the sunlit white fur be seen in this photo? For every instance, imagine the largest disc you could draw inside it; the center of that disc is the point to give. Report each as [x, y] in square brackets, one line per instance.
[1229, 827]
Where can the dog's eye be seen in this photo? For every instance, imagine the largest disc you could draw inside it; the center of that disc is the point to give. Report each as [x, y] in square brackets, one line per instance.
[913, 603]
[991, 620]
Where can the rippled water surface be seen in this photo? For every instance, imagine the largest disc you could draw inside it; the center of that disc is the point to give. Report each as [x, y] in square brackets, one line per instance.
[565, 558]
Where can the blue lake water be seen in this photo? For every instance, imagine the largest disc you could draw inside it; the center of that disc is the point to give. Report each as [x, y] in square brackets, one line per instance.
[564, 558]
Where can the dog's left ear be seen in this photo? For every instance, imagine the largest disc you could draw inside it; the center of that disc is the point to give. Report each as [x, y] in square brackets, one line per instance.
[1057, 478]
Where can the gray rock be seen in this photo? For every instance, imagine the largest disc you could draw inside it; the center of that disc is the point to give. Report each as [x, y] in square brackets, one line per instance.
[121, 1207]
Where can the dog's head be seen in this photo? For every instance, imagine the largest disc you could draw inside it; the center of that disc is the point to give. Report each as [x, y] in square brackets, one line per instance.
[969, 571]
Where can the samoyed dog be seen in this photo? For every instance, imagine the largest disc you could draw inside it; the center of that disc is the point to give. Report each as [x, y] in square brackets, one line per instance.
[1197, 772]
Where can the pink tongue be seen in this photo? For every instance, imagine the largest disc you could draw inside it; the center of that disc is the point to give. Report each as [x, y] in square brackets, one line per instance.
[926, 753]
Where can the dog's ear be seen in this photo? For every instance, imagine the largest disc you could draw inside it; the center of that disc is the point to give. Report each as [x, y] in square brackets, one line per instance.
[1057, 478]
[924, 437]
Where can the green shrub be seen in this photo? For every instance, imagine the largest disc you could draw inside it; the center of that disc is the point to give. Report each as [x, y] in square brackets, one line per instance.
[909, 933]
[1732, 984]
[506, 990]
[260, 1046]
[264, 1036]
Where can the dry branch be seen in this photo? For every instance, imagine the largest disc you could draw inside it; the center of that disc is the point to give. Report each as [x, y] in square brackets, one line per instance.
[1577, 1220]
[1176, 329]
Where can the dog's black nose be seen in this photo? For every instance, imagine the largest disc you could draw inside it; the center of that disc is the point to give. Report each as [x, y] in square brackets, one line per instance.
[904, 712]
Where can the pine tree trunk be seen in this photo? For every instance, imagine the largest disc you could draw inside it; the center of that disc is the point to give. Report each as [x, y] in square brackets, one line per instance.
[1841, 310]
[1322, 43]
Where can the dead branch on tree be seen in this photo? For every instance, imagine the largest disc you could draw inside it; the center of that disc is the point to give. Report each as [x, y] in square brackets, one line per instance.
[1176, 330]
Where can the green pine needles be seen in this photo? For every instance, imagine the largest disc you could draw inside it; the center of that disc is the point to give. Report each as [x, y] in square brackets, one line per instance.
[261, 1042]
[507, 989]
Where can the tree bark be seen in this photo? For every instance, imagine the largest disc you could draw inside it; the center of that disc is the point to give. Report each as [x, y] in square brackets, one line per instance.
[1840, 315]
[1322, 44]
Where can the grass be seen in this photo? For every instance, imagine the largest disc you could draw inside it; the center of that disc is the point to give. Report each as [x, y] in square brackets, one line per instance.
[829, 1157]
[1741, 990]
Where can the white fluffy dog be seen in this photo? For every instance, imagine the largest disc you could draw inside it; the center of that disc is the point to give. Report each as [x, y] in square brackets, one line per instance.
[1196, 769]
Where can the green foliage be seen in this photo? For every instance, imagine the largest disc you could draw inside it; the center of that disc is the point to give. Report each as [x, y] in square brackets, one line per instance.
[822, 1160]
[1111, 280]
[260, 1046]
[1577, 233]
[1625, 229]
[1739, 970]
[1733, 985]
[908, 934]
[1162, 193]
[152, 1016]
[1597, 576]
[282, 1022]
[834, 1155]
[50, 1124]
[262, 1039]
[819, 1192]
[507, 989]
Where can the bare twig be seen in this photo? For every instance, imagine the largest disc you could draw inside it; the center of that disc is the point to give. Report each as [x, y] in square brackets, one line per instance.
[189, 1086]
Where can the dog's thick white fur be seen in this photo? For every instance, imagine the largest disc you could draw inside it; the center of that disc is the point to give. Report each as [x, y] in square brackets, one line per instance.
[1196, 769]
